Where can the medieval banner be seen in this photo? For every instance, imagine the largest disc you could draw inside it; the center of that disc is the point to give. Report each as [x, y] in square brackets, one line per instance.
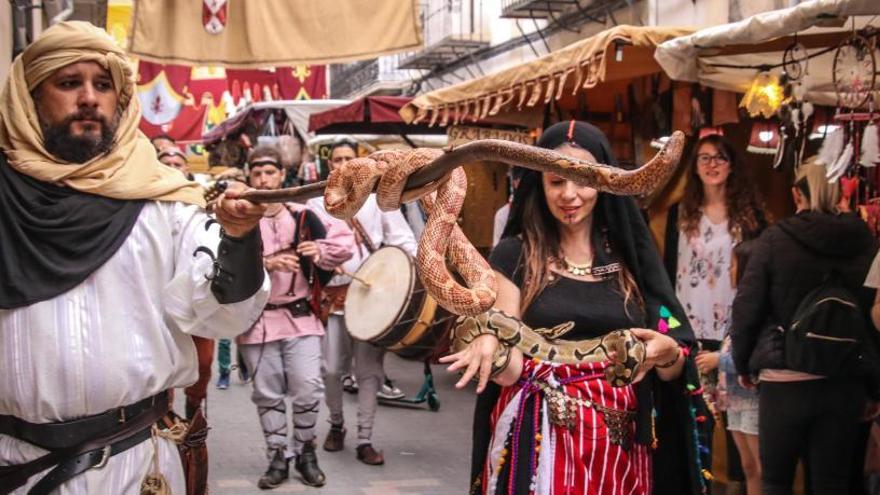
[271, 33]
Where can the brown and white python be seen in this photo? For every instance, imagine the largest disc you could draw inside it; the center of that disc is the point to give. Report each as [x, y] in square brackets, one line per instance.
[621, 348]
[442, 242]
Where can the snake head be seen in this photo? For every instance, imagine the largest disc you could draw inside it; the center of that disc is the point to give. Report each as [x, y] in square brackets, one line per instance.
[349, 185]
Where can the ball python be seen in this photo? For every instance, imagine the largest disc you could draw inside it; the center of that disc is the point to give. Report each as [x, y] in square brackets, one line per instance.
[622, 348]
[386, 173]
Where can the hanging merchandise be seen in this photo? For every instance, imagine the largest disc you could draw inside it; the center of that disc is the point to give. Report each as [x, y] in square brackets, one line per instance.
[699, 101]
[837, 169]
[764, 138]
[710, 131]
[822, 124]
[870, 147]
[795, 61]
[854, 71]
[764, 96]
[794, 118]
[831, 148]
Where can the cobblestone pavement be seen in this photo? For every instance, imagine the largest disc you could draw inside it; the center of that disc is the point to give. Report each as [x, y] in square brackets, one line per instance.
[425, 452]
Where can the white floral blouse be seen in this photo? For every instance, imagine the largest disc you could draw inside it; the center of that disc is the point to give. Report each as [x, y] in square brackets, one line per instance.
[703, 278]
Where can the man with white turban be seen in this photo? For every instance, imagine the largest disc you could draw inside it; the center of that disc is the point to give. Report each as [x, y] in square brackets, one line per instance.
[108, 266]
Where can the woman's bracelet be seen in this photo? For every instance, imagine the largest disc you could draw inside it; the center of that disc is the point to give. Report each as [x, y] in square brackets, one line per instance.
[671, 363]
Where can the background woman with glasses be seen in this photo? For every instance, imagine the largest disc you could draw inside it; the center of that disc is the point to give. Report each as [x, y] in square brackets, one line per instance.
[718, 210]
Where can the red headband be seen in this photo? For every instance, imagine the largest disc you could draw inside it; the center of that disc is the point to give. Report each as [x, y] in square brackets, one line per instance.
[570, 134]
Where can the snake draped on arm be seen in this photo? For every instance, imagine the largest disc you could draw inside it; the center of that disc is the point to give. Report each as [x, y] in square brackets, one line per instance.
[444, 245]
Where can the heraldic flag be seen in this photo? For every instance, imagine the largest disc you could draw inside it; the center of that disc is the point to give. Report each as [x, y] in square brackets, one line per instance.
[271, 33]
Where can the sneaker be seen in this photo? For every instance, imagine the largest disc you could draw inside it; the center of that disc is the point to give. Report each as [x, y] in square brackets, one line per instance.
[335, 439]
[307, 466]
[243, 374]
[223, 381]
[368, 455]
[350, 384]
[389, 392]
[279, 469]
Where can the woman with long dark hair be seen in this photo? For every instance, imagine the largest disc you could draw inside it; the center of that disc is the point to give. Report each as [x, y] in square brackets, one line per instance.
[719, 210]
[570, 253]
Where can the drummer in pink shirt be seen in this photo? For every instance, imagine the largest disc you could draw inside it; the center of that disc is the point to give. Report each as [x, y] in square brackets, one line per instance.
[283, 348]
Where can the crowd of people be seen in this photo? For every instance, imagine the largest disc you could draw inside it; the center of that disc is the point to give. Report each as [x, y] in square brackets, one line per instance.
[109, 261]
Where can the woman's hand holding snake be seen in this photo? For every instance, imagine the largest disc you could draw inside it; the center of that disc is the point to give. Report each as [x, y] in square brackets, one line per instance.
[476, 358]
[659, 350]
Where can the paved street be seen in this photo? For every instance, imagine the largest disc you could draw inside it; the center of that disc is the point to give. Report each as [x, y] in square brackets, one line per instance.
[425, 452]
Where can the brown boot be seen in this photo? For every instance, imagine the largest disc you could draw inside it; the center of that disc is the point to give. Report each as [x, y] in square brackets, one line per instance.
[368, 455]
[335, 439]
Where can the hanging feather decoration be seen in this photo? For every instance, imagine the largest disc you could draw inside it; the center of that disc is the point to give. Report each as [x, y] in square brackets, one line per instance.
[832, 146]
[870, 147]
[806, 116]
[836, 171]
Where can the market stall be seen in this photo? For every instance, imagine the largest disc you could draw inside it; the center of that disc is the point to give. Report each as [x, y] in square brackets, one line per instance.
[809, 71]
[284, 122]
[369, 115]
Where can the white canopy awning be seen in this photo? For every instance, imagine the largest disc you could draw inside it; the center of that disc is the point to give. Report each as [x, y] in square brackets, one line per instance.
[760, 40]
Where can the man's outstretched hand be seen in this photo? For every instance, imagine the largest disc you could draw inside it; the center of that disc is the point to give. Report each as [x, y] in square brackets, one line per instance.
[237, 216]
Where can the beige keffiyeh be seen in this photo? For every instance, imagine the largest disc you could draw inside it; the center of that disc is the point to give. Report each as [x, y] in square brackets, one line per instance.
[130, 170]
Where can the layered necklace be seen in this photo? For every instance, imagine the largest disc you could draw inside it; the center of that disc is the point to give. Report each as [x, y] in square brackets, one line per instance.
[578, 270]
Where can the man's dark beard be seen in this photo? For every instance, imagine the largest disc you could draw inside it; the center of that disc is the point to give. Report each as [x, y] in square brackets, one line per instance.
[59, 141]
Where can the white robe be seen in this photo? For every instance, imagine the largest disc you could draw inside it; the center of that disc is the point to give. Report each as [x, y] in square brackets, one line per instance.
[120, 336]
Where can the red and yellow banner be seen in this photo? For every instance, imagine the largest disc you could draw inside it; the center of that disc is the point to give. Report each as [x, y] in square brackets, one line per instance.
[184, 102]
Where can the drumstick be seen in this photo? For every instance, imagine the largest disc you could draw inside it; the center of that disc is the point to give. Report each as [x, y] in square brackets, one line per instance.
[353, 276]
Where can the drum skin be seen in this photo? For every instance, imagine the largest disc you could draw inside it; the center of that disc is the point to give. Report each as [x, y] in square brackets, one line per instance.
[395, 312]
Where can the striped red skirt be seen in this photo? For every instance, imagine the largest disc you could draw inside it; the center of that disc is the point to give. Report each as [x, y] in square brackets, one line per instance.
[533, 452]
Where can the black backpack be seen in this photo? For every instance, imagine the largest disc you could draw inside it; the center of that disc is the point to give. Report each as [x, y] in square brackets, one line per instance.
[829, 333]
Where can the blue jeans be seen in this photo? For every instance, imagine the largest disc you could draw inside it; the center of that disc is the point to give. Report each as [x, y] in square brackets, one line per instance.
[224, 358]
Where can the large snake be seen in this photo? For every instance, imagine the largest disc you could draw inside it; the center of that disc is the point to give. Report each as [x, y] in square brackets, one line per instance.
[386, 173]
[621, 348]
[436, 177]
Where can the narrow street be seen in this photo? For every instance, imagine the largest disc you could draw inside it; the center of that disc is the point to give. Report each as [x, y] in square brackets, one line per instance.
[425, 452]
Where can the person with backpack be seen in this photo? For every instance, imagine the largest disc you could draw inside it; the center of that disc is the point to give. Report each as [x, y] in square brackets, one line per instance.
[800, 330]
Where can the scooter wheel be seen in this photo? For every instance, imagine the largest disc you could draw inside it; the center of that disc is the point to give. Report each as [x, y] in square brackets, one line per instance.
[433, 403]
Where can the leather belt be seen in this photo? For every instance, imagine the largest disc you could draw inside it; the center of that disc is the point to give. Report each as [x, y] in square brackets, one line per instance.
[297, 308]
[52, 436]
[88, 452]
[74, 466]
